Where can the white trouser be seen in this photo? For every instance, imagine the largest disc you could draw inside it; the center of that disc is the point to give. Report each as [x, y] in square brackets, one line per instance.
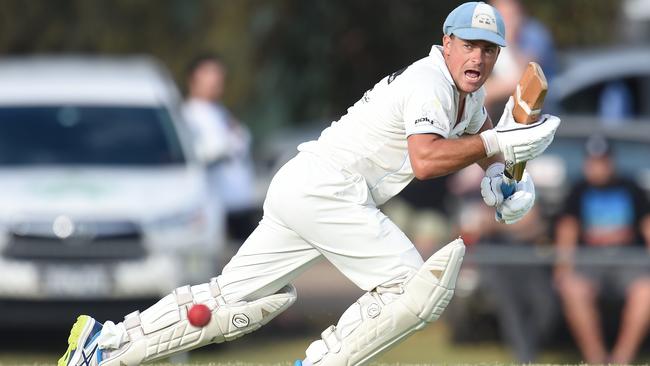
[311, 210]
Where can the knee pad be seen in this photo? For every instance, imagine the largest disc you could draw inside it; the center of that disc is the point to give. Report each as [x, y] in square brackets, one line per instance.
[163, 329]
[385, 316]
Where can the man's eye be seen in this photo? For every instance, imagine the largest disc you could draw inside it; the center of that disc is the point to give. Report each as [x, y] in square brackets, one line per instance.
[467, 46]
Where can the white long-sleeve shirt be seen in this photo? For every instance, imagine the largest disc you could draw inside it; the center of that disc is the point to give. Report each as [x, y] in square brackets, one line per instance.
[371, 139]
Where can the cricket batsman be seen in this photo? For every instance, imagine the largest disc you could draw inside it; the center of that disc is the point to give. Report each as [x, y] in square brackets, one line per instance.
[425, 120]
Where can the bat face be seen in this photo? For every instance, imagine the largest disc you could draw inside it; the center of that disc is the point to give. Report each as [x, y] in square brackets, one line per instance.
[529, 95]
[529, 99]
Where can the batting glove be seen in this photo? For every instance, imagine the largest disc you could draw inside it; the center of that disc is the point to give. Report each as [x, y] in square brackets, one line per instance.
[518, 142]
[513, 208]
[491, 185]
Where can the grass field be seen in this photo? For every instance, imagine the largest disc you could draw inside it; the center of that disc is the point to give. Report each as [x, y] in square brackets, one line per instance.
[428, 347]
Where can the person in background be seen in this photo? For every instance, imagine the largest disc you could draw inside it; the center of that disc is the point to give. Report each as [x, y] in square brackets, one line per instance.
[528, 40]
[604, 212]
[224, 142]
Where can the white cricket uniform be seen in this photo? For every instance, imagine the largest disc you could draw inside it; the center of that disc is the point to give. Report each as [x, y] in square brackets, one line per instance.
[323, 203]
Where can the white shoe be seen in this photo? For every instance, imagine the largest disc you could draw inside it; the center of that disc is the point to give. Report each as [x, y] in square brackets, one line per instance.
[82, 343]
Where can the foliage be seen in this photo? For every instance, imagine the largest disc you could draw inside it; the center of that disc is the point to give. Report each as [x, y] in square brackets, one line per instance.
[290, 60]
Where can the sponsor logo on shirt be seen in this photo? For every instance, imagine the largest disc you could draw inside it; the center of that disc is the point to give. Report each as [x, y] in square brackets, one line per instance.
[432, 122]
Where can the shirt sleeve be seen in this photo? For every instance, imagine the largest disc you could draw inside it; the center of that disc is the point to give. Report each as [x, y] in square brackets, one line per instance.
[427, 110]
[572, 205]
[640, 200]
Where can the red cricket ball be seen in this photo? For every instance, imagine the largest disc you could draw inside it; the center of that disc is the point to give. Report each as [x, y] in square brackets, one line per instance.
[199, 315]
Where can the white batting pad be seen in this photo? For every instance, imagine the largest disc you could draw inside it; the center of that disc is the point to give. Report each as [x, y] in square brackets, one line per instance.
[163, 329]
[385, 316]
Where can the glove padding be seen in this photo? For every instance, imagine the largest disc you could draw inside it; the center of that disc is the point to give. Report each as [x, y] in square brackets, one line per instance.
[517, 142]
[513, 208]
[491, 185]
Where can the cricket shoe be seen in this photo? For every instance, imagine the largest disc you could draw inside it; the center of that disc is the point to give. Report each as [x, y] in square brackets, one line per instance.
[83, 347]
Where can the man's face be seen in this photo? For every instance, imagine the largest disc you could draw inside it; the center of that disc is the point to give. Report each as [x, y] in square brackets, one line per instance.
[598, 170]
[470, 63]
[207, 81]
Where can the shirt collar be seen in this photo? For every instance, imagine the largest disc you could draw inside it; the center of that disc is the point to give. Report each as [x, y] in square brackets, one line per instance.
[439, 60]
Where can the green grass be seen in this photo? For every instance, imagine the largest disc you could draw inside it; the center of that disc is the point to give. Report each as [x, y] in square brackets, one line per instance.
[428, 347]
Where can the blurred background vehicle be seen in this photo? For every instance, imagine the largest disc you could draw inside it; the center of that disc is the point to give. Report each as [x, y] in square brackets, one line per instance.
[600, 92]
[609, 86]
[104, 202]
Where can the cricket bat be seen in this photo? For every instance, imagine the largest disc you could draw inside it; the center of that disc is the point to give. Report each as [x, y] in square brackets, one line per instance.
[529, 99]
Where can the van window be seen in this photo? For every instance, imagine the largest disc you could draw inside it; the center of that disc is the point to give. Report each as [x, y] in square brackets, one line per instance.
[616, 98]
[88, 135]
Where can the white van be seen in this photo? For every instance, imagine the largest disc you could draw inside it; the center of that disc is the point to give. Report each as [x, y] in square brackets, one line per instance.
[102, 198]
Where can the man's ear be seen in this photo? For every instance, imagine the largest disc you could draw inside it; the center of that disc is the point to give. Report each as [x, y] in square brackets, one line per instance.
[446, 44]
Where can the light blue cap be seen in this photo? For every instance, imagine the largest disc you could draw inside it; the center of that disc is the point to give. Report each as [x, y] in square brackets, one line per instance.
[476, 21]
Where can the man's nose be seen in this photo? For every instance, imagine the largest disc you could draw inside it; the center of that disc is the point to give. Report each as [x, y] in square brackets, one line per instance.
[479, 56]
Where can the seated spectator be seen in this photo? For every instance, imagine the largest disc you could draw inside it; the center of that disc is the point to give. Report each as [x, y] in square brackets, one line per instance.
[604, 211]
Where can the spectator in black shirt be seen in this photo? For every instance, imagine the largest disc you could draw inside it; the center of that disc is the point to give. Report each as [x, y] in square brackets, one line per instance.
[607, 212]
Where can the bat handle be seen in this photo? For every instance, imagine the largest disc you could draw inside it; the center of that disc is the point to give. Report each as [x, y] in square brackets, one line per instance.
[508, 186]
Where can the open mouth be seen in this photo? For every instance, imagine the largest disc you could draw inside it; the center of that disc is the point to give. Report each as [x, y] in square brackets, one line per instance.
[472, 75]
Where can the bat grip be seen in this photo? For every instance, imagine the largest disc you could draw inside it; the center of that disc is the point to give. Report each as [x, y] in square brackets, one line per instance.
[508, 186]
